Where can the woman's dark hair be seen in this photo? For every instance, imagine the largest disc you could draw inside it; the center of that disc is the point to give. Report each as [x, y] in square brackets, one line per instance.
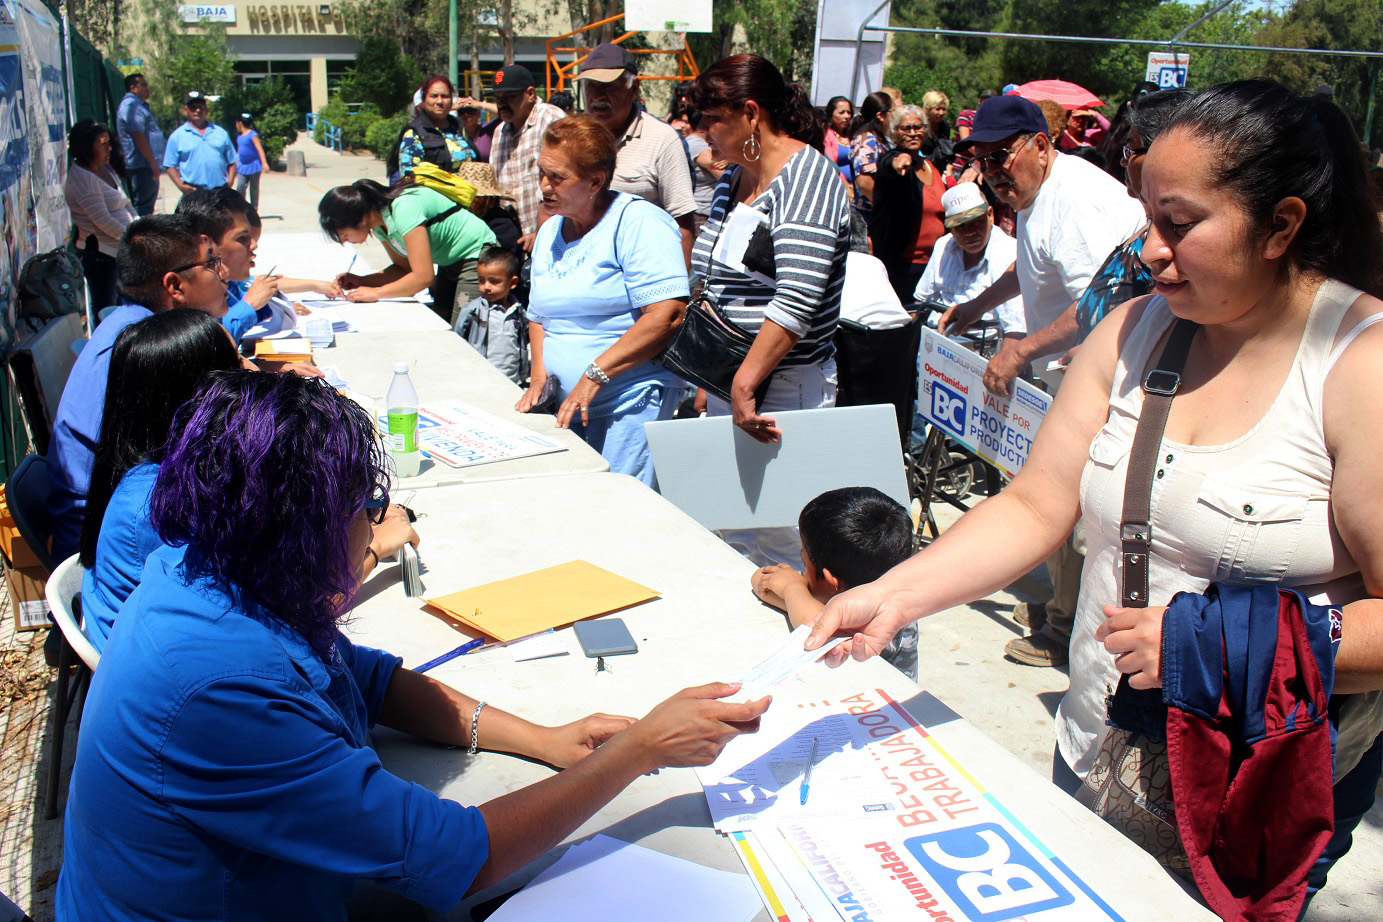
[830, 108]
[1271, 144]
[345, 207]
[246, 119]
[867, 115]
[154, 369]
[1151, 113]
[734, 81]
[262, 480]
[81, 140]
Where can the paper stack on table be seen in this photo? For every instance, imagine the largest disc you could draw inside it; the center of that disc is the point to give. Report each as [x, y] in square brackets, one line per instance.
[891, 827]
[606, 880]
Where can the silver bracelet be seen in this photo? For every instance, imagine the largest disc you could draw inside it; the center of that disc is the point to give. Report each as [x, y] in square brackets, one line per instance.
[475, 729]
[595, 374]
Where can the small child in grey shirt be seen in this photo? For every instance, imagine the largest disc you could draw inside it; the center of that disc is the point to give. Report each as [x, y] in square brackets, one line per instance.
[495, 324]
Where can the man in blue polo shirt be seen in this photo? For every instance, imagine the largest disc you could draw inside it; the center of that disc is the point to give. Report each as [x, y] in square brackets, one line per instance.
[164, 262]
[142, 142]
[199, 155]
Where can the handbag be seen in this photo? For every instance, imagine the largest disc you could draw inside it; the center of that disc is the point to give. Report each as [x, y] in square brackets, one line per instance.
[708, 348]
[1130, 783]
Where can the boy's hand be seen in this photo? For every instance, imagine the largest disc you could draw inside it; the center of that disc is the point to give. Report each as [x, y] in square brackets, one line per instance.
[772, 584]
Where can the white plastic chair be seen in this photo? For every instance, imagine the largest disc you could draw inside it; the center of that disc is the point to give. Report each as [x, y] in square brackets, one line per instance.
[63, 589]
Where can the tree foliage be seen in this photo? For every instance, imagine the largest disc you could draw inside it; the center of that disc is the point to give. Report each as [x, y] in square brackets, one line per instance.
[381, 75]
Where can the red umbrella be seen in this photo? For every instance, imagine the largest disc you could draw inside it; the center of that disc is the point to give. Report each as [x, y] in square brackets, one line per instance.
[1066, 94]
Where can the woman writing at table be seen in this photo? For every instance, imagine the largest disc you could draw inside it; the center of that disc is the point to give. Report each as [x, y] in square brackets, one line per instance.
[418, 227]
[609, 287]
[224, 770]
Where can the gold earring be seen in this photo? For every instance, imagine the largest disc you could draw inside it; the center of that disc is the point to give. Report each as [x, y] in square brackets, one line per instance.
[751, 153]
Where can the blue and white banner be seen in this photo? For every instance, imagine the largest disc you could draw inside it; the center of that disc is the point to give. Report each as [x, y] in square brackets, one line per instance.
[15, 194]
[40, 51]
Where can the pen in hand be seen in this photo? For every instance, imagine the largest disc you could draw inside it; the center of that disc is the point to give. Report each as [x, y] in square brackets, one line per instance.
[807, 775]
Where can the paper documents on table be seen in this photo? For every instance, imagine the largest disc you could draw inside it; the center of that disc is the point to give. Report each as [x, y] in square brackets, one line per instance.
[549, 598]
[459, 435]
[895, 827]
[785, 662]
[606, 880]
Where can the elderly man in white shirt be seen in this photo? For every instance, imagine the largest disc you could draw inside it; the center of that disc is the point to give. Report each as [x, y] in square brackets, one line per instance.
[1071, 216]
[971, 257]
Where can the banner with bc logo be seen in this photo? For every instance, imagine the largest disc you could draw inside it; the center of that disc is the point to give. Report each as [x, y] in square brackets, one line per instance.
[952, 396]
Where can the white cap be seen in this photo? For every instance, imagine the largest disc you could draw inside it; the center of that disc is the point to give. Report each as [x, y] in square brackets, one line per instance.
[400, 368]
[962, 203]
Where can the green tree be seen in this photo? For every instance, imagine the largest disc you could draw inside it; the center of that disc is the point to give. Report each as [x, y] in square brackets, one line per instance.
[381, 75]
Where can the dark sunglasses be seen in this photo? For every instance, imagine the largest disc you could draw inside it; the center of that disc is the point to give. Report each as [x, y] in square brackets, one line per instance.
[377, 506]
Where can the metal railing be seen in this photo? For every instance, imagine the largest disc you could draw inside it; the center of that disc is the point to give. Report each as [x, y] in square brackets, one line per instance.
[331, 135]
[686, 61]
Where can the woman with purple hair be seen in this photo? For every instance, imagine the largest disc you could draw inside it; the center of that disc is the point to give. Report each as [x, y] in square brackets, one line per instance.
[224, 769]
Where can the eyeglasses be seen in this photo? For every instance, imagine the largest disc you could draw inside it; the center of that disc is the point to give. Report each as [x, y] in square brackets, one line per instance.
[1130, 152]
[911, 129]
[377, 506]
[213, 264]
[1000, 159]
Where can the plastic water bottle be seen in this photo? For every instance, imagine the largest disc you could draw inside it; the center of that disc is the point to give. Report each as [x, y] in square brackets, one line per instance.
[402, 402]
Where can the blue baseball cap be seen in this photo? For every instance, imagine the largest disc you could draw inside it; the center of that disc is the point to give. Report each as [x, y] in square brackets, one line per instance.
[1002, 117]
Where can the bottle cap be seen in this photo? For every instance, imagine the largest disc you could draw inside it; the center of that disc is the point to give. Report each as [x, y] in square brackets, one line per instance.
[400, 368]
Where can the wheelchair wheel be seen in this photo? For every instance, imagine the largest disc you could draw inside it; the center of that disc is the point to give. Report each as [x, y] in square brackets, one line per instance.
[956, 477]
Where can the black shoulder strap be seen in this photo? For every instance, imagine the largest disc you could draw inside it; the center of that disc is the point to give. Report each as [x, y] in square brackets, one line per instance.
[1135, 530]
[444, 215]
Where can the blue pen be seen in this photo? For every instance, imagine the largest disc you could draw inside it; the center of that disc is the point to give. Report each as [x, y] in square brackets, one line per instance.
[807, 775]
[450, 655]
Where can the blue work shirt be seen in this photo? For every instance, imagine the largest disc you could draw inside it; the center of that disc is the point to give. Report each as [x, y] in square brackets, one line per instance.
[127, 539]
[223, 772]
[134, 115]
[77, 429]
[240, 314]
[201, 158]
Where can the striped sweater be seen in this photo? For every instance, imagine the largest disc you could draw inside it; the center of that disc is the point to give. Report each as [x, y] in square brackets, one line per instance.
[809, 215]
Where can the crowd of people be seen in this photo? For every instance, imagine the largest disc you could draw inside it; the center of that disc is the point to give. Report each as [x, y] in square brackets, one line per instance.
[189, 480]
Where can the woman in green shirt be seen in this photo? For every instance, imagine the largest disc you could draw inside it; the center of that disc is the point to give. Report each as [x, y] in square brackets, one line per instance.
[418, 227]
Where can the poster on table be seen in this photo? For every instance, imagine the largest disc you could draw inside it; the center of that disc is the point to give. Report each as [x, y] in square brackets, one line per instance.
[18, 243]
[45, 99]
[887, 824]
[951, 395]
[459, 435]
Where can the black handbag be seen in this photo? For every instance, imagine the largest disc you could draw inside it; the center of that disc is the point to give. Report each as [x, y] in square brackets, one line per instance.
[708, 349]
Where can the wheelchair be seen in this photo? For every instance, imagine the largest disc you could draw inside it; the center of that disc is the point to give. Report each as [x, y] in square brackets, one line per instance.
[881, 367]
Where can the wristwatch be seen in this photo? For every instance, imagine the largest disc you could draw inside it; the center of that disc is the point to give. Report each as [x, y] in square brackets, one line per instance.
[595, 374]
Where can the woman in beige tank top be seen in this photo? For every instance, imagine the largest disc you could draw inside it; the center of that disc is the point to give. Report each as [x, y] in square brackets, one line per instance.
[1262, 231]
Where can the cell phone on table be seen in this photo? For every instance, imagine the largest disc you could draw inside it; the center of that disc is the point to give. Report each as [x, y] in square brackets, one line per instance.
[607, 637]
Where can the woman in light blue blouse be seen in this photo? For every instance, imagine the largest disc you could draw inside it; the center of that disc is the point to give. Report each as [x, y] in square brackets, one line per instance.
[609, 289]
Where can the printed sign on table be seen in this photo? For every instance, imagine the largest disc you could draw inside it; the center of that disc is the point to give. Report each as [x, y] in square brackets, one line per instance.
[462, 436]
[952, 395]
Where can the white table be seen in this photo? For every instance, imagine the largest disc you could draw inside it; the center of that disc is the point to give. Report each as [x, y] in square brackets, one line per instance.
[707, 626]
[445, 367]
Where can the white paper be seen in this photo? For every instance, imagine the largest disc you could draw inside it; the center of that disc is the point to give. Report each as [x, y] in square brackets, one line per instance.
[785, 662]
[606, 880]
[734, 237]
[539, 646]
